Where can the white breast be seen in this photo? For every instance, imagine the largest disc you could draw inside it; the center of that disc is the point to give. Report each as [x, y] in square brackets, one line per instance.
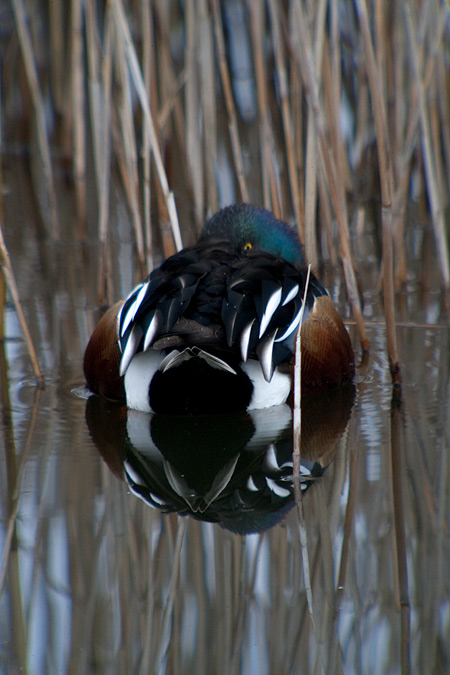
[266, 394]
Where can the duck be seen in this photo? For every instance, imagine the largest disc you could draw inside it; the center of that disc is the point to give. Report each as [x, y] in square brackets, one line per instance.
[213, 328]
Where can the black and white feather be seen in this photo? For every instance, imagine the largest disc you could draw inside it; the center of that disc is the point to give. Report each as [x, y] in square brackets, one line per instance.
[213, 296]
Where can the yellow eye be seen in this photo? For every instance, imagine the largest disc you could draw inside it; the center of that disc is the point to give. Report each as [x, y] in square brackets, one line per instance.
[248, 246]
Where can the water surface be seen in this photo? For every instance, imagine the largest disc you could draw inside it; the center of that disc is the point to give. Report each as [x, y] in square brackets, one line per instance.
[354, 578]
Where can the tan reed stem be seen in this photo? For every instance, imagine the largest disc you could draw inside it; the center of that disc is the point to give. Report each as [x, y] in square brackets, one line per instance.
[77, 100]
[297, 414]
[148, 70]
[128, 150]
[11, 283]
[437, 213]
[229, 103]
[208, 100]
[136, 74]
[271, 189]
[39, 110]
[194, 154]
[99, 81]
[308, 73]
[283, 93]
[386, 185]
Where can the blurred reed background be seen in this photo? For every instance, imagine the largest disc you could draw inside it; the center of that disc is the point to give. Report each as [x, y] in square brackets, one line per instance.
[319, 111]
[124, 125]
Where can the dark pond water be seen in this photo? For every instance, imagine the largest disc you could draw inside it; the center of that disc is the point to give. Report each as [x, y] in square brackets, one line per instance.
[96, 577]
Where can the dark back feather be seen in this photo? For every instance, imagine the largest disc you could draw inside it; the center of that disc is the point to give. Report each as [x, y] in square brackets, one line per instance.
[216, 294]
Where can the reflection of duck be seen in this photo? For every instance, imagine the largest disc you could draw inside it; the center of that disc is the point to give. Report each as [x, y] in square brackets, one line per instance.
[235, 469]
[213, 328]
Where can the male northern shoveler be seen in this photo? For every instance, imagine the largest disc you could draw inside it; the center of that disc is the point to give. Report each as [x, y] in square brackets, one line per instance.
[213, 328]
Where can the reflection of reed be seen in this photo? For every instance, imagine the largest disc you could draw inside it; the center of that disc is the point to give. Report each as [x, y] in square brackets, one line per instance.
[138, 590]
[396, 452]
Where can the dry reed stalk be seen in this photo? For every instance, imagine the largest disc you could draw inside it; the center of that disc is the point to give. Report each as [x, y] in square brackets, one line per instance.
[39, 110]
[194, 155]
[386, 185]
[104, 156]
[386, 58]
[379, 43]
[312, 158]
[101, 88]
[168, 245]
[386, 22]
[335, 95]
[332, 103]
[148, 71]
[414, 110]
[410, 142]
[362, 116]
[58, 61]
[271, 190]
[443, 87]
[437, 213]
[399, 87]
[306, 67]
[128, 152]
[296, 106]
[99, 81]
[170, 88]
[311, 171]
[77, 107]
[171, 104]
[297, 414]
[2, 306]
[11, 283]
[169, 84]
[229, 103]
[208, 101]
[397, 140]
[135, 71]
[326, 217]
[433, 111]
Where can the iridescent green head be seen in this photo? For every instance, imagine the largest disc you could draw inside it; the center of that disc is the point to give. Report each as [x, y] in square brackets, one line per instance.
[251, 228]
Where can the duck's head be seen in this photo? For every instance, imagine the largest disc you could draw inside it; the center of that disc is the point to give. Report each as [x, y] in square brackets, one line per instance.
[252, 229]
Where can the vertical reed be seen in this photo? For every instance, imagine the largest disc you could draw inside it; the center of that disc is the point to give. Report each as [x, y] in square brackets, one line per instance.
[39, 110]
[386, 185]
[5, 263]
[229, 103]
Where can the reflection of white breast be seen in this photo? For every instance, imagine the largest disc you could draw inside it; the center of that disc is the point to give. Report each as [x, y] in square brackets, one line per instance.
[137, 380]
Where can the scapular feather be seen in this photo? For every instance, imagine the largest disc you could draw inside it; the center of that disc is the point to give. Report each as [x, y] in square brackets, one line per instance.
[131, 347]
[264, 351]
[290, 295]
[270, 309]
